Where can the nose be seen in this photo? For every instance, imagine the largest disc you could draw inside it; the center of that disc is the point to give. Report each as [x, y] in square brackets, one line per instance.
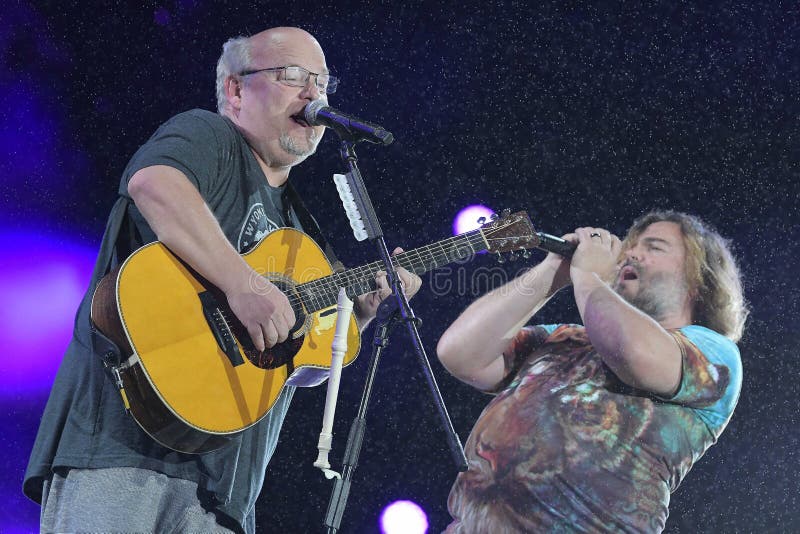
[311, 90]
[632, 254]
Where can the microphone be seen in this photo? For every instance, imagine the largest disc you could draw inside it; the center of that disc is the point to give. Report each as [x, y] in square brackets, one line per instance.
[317, 113]
[551, 243]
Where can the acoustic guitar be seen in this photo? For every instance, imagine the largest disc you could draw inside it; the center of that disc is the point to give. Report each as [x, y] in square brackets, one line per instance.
[190, 375]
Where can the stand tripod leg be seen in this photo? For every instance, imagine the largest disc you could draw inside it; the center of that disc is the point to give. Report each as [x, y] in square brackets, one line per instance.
[456, 449]
[341, 486]
[393, 307]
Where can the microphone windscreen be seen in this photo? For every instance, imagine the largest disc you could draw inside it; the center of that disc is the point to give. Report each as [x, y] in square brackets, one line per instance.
[312, 110]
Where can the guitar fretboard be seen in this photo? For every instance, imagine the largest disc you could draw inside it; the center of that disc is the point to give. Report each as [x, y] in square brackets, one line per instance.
[323, 292]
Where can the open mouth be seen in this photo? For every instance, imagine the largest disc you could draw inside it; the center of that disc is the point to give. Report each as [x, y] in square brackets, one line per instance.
[300, 119]
[628, 273]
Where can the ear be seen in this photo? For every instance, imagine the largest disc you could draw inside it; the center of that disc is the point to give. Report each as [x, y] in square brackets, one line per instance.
[233, 92]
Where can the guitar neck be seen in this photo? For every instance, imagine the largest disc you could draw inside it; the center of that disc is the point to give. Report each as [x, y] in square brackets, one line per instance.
[323, 292]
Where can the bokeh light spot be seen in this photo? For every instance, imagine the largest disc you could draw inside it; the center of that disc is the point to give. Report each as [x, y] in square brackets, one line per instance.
[467, 218]
[404, 517]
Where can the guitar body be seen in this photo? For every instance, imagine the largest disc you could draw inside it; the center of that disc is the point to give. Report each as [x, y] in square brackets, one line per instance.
[192, 378]
[189, 373]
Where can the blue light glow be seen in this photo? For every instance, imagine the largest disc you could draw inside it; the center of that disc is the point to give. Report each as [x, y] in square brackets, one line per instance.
[162, 16]
[42, 280]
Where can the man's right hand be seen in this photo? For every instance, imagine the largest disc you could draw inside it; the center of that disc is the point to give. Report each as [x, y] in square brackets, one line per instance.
[560, 264]
[181, 220]
[598, 252]
[264, 310]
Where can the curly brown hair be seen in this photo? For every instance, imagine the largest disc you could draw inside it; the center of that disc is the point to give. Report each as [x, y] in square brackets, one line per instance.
[712, 274]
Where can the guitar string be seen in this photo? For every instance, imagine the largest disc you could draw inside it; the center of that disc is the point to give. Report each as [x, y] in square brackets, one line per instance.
[331, 284]
[467, 238]
[365, 274]
[360, 276]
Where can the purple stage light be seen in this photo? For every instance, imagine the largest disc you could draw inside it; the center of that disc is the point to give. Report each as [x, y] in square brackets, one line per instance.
[467, 219]
[42, 280]
[33, 125]
[162, 16]
[404, 517]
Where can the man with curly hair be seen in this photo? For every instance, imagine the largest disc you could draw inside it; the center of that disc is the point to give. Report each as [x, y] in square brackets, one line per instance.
[592, 427]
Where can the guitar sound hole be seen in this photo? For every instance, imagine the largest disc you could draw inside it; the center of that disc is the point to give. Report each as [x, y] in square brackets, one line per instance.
[282, 353]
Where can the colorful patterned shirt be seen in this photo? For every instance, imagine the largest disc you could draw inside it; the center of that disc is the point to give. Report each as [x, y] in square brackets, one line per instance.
[565, 446]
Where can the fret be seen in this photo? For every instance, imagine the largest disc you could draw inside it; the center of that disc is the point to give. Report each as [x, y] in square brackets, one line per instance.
[323, 292]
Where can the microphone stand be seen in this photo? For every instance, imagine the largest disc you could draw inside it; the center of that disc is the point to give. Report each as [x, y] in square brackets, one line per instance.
[390, 312]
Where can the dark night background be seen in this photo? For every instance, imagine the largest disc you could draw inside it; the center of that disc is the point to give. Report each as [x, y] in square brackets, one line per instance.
[580, 114]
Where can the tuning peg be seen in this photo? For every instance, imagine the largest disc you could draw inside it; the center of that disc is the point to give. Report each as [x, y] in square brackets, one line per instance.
[512, 256]
[481, 220]
[526, 253]
[506, 212]
[500, 258]
[494, 216]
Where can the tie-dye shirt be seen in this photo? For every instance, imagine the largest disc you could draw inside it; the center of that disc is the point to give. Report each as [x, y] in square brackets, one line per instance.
[565, 446]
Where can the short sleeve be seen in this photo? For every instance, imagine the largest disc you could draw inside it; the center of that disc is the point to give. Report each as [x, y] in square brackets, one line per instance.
[192, 142]
[524, 343]
[711, 374]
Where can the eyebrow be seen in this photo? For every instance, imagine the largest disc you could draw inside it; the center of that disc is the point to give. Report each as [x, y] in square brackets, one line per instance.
[651, 240]
[324, 70]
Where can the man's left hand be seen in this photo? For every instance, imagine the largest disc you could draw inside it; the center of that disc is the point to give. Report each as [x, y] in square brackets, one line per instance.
[366, 306]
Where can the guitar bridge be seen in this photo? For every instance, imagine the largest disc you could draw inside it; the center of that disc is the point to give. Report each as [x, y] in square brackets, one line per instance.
[220, 328]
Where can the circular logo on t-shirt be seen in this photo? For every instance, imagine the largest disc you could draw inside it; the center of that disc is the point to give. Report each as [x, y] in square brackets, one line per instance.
[256, 226]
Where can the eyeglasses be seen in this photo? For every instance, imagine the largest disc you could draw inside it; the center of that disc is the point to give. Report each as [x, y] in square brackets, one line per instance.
[298, 77]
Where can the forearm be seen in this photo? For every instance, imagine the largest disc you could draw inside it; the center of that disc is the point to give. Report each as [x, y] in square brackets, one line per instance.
[181, 220]
[472, 347]
[633, 345]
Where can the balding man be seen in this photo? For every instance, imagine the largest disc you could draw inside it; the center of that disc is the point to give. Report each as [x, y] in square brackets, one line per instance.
[209, 186]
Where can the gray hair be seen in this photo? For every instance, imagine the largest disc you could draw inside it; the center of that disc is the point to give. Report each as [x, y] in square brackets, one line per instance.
[234, 59]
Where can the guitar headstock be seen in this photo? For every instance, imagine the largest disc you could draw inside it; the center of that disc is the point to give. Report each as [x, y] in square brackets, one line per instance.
[510, 232]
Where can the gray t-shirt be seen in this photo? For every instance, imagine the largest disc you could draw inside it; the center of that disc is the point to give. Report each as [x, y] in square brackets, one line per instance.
[84, 424]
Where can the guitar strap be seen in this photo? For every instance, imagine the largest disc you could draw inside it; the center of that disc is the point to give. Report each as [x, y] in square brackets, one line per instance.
[113, 251]
[310, 226]
[109, 256]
